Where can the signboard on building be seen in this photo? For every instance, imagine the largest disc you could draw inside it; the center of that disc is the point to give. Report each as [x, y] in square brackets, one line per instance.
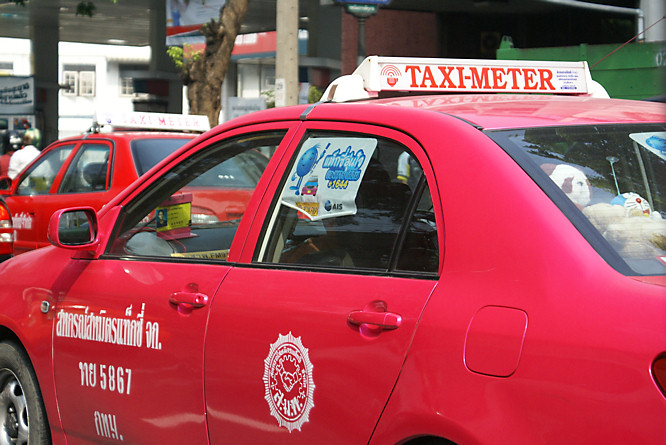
[184, 18]
[238, 106]
[17, 95]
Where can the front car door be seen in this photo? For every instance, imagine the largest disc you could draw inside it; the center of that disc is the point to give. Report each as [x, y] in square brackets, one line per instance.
[308, 337]
[129, 333]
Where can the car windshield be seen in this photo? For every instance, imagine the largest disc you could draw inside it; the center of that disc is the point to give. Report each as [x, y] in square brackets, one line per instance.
[614, 175]
[148, 152]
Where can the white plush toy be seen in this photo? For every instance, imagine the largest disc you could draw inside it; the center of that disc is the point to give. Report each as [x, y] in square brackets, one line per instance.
[571, 180]
[629, 224]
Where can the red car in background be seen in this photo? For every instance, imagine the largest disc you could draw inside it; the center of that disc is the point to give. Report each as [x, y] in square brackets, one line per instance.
[473, 269]
[90, 169]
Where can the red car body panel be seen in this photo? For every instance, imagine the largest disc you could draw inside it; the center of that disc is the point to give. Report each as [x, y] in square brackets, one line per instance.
[525, 334]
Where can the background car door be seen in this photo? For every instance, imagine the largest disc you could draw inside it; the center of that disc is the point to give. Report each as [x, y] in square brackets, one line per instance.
[129, 331]
[306, 346]
[30, 193]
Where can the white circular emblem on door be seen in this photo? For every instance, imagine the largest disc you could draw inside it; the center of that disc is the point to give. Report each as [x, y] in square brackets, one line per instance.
[288, 382]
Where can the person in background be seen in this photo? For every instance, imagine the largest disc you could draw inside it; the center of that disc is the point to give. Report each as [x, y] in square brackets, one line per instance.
[21, 158]
[13, 143]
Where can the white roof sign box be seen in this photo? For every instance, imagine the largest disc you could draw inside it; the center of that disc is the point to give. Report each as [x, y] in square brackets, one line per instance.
[152, 121]
[379, 74]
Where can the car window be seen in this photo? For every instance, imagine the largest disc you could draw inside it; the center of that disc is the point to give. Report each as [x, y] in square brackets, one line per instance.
[615, 175]
[148, 152]
[184, 216]
[344, 203]
[88, 171]
[41, 175]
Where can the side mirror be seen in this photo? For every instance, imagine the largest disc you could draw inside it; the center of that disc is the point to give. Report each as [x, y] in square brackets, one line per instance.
[74, 228]
[5, 183]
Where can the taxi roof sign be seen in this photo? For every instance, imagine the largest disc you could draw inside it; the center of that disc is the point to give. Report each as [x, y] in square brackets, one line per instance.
[109, 121]
[377, 74]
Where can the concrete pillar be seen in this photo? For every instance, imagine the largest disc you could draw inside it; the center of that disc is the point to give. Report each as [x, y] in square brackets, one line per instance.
[654, 10]
[160, 64]
[286, 59]
[44, 37]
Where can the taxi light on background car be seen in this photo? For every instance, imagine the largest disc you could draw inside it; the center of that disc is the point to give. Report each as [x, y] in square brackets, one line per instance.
[108, 121]
[377, 74]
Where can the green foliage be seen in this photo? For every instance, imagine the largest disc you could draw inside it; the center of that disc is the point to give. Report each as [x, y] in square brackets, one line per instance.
[181, 57]
[177, 56]
[314, 94]
[269, 96]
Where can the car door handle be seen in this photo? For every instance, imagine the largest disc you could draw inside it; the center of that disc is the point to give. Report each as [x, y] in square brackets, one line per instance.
[383, 320]
[189, 299]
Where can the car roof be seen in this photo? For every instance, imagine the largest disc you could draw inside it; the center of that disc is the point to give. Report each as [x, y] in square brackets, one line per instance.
[504, 111]
[130, 135]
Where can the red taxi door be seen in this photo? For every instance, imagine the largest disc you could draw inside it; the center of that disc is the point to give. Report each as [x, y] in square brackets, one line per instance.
[57, 180]
[128, 361]
[300, 352]
[129, 330]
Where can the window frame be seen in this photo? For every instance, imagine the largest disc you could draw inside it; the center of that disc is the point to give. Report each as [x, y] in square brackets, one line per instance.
[145, 192]
[269, 205]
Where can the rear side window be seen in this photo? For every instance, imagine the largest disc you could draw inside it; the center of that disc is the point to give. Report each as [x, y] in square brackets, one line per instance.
[614, 175]
[88, 170]
[349, 201]
[148, 152]
[40, 177]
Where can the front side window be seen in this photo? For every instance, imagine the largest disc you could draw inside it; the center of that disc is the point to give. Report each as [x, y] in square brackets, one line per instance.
[88, 170]
[344, 204]
[41, 175]
[614, 174]
[194, 209]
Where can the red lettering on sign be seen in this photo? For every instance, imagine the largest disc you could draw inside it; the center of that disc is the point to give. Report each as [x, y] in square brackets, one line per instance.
[446, 72]
[498, 79]
[413, 69]
[480, 80]
[427, 76]
[531, 82]
[545, 77]
[514, 77]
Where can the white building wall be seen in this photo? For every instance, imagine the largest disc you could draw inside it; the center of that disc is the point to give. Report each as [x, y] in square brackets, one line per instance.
[76, 112]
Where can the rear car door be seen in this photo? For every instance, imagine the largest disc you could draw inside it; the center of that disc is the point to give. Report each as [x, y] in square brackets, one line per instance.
[129, 329]
[307, 337]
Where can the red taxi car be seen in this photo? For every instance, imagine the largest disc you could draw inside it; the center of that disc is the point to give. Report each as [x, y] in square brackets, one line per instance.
[473, 269]
[91, 169]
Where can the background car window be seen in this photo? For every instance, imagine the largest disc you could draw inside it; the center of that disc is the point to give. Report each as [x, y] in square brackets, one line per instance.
[88, 171]
[343, 203]
[148, 152]
[615, 175]
[193, 210]
[41, 175]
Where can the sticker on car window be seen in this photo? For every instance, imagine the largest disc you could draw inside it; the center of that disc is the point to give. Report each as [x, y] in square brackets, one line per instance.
[173, 217]
[653, 142]
[325, 179]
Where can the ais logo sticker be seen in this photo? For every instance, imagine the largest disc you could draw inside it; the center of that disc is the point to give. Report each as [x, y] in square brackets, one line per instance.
[288, 382]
